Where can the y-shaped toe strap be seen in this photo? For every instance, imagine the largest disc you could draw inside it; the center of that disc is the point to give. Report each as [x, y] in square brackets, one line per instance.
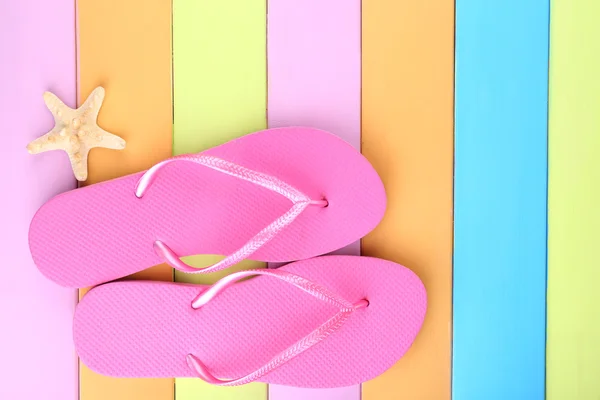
[346, 308]
[299, 203]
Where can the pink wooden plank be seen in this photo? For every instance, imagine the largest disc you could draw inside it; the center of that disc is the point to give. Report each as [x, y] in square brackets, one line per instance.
[37, 53]
[314, 58]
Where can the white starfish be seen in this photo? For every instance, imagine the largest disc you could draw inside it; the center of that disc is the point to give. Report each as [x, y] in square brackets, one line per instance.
[76, 131]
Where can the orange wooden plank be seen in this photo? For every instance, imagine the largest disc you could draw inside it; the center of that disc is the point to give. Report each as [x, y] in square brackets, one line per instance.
[407, 133]
[126, 48]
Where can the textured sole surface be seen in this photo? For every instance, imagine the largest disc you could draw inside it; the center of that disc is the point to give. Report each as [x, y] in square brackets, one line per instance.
[146, 329]
[103, 232]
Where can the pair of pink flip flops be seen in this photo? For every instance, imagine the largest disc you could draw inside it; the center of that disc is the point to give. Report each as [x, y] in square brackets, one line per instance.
[277, 195]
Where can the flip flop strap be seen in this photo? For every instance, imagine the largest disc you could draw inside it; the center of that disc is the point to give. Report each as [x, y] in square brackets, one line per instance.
[299, 200]
[346, 308]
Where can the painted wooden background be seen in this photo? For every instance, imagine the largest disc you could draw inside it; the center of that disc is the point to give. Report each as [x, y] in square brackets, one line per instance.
[481, 117]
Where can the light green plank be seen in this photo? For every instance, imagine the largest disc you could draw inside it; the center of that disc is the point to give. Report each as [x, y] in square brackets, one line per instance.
[573, 347]
[220, 83]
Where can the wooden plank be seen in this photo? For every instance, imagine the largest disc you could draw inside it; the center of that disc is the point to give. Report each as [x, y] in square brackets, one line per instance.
[573, 364]
[126, 48]
[219, 94]
[407, 134]
[499, 314]
[37, 54]
[314, 80]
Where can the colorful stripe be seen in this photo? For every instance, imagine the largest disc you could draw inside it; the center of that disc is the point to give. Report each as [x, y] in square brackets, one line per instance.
[314, 80]
[573, 365]
[499, 313]
[407, 134]
[118, 51]
[37, 53]
[219, 75]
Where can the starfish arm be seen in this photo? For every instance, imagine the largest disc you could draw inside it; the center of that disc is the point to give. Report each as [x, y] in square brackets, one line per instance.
[59, 110]
[108, 140]
[50, 141]
[79, 161]
[91, 106]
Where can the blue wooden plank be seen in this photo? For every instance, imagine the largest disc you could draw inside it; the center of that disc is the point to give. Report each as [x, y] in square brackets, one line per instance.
[499, 304]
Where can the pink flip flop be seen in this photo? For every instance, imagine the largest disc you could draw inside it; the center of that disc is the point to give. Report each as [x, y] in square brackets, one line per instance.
[325, 322]
[277, 195]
